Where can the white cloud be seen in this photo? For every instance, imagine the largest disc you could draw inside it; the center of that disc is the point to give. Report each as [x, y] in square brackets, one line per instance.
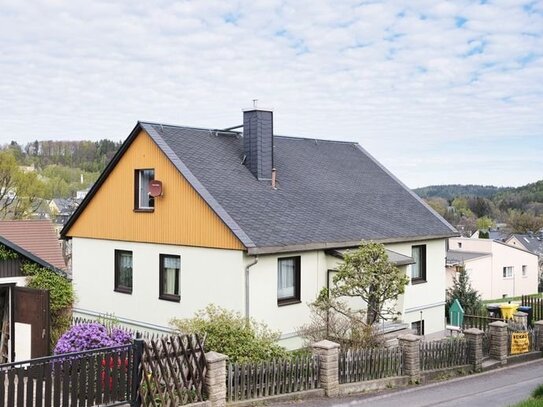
[402, 81]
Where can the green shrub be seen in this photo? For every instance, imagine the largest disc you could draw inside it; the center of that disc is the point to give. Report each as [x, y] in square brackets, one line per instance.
[7, 254]
[229, 333]
[61, 296]
[538, 392]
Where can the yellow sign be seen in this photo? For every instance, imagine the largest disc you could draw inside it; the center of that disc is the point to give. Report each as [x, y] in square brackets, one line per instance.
[520, 343]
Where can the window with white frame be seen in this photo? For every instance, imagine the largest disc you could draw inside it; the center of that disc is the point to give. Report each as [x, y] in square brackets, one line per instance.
[508, 272]
[142, 199]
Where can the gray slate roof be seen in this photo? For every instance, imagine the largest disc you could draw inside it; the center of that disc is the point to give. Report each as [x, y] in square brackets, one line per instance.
[330, 194]
[532, 243]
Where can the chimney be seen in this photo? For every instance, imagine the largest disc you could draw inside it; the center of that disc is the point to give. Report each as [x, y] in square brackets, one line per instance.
[258, 142]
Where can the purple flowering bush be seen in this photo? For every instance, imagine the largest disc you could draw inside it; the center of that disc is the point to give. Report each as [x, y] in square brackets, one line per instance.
[90, 336]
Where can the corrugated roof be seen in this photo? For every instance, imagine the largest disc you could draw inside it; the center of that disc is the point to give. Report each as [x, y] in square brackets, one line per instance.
[38, 237]
[394, 257]
[455, 257]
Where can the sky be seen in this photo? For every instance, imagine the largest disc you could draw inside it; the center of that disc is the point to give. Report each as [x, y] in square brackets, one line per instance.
[440, 92]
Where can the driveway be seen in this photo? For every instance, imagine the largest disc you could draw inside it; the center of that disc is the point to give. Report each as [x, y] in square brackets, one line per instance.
[497, 388]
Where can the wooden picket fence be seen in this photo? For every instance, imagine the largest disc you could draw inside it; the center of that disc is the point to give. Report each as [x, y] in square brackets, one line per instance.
[98, 377]
[246, 381]
[356, 365]
[173, 371]
[443, 354]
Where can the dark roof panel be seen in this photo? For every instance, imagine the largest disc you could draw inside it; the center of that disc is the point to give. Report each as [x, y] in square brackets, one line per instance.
[327, 191]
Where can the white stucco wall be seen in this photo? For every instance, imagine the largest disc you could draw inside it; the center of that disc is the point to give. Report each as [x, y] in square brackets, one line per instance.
[207, 275]
[218, 276]
[427, 297]
[486, 274]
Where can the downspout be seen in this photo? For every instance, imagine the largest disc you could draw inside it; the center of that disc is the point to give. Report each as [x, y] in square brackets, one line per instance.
[247, 315]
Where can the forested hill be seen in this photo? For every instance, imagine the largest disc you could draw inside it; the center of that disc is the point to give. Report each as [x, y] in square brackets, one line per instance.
[506, 196]
[450, 192]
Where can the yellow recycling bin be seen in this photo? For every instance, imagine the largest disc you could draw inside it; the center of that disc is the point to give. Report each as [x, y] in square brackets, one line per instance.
[508, 310]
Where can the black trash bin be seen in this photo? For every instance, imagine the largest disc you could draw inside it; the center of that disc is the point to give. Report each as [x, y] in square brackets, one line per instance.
[528, 310]
[493, 311]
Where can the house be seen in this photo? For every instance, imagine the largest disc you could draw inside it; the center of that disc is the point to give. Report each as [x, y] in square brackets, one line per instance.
[495, 269]
[62, 208]
[531, 242]
[24, 312]
[183, 217]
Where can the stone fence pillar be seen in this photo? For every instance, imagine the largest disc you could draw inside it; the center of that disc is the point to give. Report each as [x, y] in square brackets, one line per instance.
[215, 381]
[410, 345]
[328, 354]
[474, 338]
[498, 341]
[538, 330]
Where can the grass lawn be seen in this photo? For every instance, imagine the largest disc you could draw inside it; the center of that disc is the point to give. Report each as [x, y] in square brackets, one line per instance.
[512, 299]
[535, 401]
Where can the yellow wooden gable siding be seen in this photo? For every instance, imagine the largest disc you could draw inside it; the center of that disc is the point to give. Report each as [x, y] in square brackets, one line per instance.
[180, 217]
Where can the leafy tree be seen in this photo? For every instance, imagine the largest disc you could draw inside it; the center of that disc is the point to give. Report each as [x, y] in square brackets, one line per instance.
[20, 192]
[523, 222]
[367, 274]
[229, 333]
[483, 225]
[462, 290]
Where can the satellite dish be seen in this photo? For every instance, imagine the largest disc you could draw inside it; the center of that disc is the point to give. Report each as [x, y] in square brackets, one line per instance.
[155, 188]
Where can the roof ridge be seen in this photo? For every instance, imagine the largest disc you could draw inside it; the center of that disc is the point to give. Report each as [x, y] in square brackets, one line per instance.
[208, 129]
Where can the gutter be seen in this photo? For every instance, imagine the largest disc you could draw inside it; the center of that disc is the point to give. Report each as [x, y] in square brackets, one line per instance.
[247, 285]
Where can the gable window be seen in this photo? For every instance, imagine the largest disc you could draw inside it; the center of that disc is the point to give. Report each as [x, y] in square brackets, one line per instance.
[142, 199]
[169, 277]
[418, 270]
[508, 272]
[524, 271]
[123, 271]
[288, 280]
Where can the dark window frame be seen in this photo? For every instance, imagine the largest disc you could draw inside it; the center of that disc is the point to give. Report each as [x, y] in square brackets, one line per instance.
[423, 274]
[137, 203]
[296, 298]
[161, 294]
[118, 287]
[420, 327]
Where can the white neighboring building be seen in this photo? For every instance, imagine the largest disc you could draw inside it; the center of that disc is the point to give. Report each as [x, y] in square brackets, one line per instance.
[495, 268]
[253, 222]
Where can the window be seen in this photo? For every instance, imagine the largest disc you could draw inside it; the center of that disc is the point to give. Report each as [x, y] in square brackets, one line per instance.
[524, 271]
[123, 271]
[418, 270]
[288, 280]
[418, 327]
[508, 272]
[142, 199]
[169, 277]
[459, 245]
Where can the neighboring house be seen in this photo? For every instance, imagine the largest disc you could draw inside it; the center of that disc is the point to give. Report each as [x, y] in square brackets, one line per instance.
[81, 194]
[183, 217]
[531, 242]
[495, 268]
[24, 312]
[61, 209]
[498, 233]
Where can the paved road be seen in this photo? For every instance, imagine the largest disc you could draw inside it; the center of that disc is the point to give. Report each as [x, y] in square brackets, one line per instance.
[497, 388]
